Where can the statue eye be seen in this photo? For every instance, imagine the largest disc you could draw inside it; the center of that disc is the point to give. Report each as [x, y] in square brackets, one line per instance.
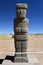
[24, 11]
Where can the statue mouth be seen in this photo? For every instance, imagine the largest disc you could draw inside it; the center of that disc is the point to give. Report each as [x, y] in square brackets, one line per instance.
[20, 16]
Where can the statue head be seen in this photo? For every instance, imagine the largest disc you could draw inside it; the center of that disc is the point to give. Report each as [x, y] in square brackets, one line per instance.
[21, 10]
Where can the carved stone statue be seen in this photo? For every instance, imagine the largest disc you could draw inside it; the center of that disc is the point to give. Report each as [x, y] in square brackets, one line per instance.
[21, 30]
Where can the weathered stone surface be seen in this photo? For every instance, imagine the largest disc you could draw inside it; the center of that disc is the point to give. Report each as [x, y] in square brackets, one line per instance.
[21, 46]
[18, 44]
[21, 29]
[23, 43]
[21, 37]
[21, 5]
[18, 49]
[18, 29]
[19, 23]
[21, 10]
[24, 30]
[24, 49]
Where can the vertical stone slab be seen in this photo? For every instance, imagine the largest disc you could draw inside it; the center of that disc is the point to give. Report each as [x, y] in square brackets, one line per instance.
[21, 30]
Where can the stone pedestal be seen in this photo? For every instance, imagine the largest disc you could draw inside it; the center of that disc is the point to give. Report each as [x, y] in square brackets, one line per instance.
[33, 60]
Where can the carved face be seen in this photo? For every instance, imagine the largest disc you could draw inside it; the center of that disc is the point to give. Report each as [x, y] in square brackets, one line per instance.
[21, 13]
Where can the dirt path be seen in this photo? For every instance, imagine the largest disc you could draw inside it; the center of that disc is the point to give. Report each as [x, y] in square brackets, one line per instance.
[6, 48]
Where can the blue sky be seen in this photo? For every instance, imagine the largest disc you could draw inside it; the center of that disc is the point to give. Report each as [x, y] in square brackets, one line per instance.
[8, 13]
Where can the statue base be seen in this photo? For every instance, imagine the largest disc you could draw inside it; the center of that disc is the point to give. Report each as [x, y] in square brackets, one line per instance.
[32, 60]
[21, 57]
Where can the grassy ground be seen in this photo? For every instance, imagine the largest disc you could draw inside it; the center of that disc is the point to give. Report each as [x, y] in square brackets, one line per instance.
[5, 37]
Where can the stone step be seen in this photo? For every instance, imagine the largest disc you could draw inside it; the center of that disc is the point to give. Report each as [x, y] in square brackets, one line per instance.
[20, 59]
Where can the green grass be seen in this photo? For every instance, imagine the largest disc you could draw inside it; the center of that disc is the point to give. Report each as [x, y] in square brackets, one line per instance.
[5, 38]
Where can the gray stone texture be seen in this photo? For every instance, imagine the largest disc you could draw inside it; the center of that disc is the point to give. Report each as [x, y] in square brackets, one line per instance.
[21, 30]
[22, 37]
[21, 10]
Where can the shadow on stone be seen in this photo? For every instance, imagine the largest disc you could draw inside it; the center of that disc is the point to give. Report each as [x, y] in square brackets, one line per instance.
[1, 61]
[9, 58]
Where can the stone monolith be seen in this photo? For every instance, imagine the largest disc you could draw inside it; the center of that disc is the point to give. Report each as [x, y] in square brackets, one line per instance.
[21, 33]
